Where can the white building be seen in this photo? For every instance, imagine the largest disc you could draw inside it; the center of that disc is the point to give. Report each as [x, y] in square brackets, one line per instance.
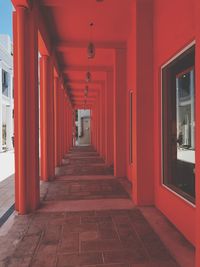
[83, 127]
[6, 94]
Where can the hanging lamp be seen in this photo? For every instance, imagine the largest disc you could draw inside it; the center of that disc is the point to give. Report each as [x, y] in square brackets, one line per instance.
[88, 77]
[86, 91]
[91, 46]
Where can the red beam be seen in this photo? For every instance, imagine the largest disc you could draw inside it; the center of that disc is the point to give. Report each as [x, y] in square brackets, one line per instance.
[99, 68]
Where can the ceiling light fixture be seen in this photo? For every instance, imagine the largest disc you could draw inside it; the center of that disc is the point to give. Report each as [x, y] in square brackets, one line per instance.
[91, 47]
[88, 77]
[86, 91]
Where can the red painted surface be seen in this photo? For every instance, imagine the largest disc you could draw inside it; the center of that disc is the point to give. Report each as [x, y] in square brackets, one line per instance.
[178, 33]
[56, 120]
[47, 118]
[109, 118]
[153, 31]
[119, 109]
[26, 111]
[144, 104]
[24, 3]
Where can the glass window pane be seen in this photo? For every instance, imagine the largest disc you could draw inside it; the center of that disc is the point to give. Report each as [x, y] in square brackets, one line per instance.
[178, 125]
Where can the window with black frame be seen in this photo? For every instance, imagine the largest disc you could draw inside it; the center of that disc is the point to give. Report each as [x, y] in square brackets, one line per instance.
[178, 124]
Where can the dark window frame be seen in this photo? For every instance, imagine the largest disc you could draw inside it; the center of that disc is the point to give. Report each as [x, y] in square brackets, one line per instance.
[168, 69]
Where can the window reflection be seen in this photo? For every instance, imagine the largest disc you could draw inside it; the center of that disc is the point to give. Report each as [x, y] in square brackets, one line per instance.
[185, 117]
[178, 125]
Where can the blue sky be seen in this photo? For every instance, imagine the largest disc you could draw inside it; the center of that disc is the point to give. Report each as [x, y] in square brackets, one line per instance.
[6, 17]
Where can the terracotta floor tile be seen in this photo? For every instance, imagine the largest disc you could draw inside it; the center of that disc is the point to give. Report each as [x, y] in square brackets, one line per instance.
[79, 259]
[125, 256]
[101, 245]
[69, 243]
[98, 231]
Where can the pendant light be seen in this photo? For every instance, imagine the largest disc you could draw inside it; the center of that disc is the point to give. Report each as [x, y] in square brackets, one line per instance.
[86, 91]
[91, 47]
[88, 77]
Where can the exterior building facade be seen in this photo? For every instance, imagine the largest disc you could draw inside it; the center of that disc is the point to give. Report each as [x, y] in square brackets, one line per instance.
[83, 127]
[6, 94]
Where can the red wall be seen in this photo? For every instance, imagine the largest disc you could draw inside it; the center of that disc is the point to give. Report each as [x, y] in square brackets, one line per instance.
[174, 28]
[131, 85]
[140, 81]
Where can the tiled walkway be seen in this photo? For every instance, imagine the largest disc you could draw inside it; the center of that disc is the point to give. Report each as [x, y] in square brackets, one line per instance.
[86, 219]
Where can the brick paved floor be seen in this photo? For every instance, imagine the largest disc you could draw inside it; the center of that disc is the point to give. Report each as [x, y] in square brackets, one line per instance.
[94, 238]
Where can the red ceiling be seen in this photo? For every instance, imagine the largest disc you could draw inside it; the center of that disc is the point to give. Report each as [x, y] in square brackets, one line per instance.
[70, 19]
[68, 22]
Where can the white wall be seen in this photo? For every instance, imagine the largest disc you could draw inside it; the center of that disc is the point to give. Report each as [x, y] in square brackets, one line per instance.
[6, 102]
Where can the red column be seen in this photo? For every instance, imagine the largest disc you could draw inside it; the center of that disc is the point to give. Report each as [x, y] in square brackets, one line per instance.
[70, 128]
[65, 123]
[98, 124]
[47, 118]
[120, 113]
[109, 119]
[56, 120]
[60, 123]
[95, 119]
[91, 127]
[67, 126]
[197, 125]
[103, 120]
[143, 106]
[26, 110]
[74, 127]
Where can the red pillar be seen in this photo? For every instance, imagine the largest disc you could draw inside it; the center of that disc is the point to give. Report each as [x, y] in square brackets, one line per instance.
[119, 110]
[109, 146]
[96, 128]
[197, 125]
[91, 127]
[71, 128]
[144, 106]
[65, 124]
[98, 124]
[26, 110]
[47, 118]
[56, 120]
[60, 123]
[103, 137]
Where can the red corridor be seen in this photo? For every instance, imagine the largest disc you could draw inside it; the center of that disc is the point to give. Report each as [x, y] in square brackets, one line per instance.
[131, 197]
